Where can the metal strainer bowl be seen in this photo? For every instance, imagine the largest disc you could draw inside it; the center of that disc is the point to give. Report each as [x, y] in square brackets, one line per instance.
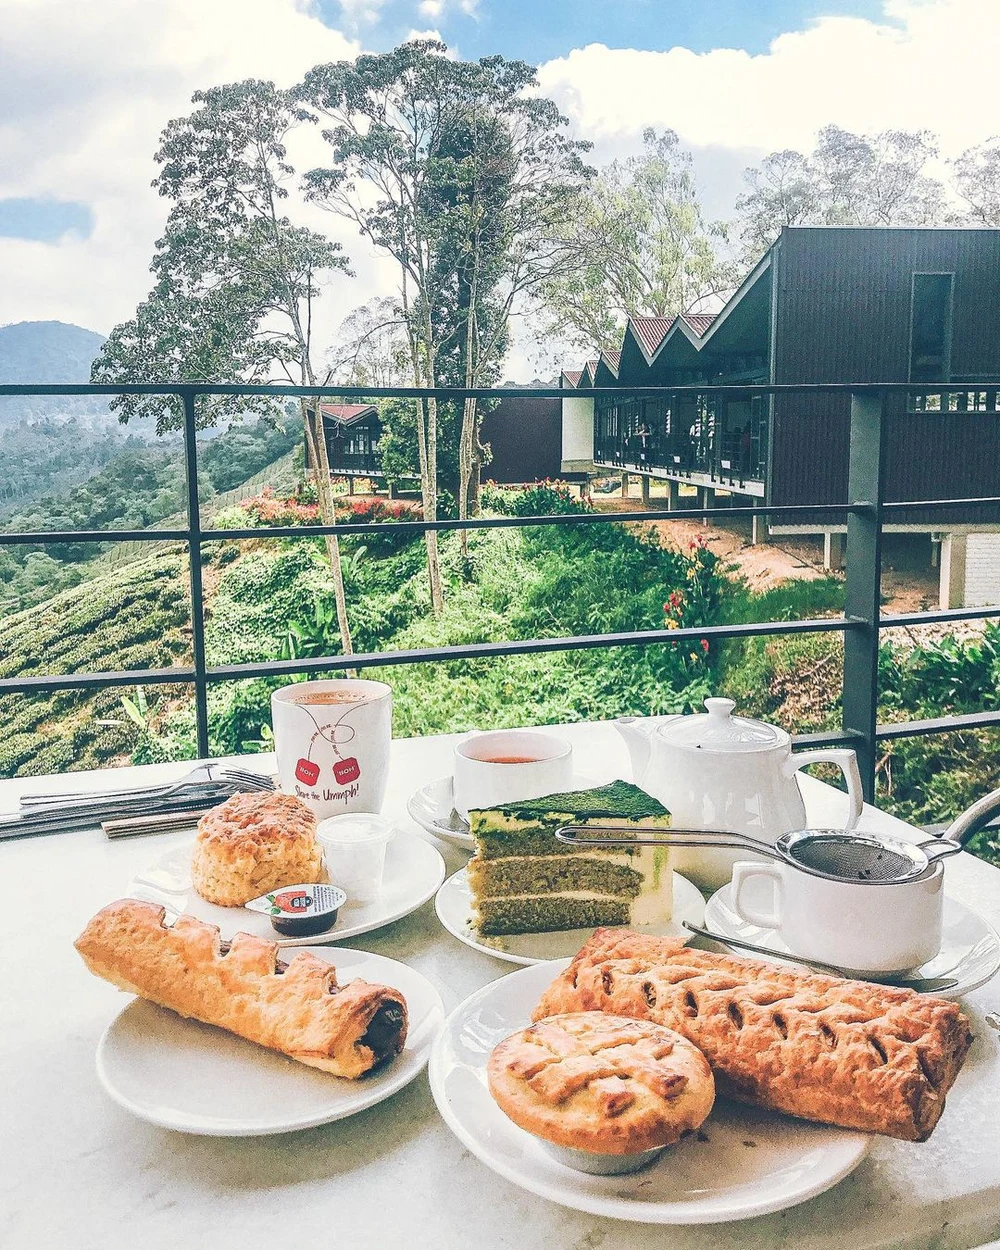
[841, 856]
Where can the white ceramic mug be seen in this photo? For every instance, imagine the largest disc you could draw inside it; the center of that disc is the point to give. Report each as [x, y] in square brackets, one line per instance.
[537, 763]
[864, 927]
[332, 740]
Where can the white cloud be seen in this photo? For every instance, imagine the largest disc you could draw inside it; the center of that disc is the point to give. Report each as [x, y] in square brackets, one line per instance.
[361, 12]
[433, 9]
[930, 63]
[85, 92]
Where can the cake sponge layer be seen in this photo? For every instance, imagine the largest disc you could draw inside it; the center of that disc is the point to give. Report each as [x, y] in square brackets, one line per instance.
[549, 874]
[538, 914]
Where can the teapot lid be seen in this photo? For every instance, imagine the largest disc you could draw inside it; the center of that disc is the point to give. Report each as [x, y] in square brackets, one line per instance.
[720, 730]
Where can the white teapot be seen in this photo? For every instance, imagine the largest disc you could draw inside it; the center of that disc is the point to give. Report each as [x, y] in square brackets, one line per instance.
[720, 771]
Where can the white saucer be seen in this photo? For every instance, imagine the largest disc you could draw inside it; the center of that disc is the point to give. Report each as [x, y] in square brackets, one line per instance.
[454, 909]
[970, 948]
[433, 808]
[752, 1162]
[191, 1077]
[413, 871]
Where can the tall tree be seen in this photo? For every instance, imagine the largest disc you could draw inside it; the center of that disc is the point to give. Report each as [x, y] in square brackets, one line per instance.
[643, 245]
[977, 179]
[454, 170]
[847, 180]
[235, 279]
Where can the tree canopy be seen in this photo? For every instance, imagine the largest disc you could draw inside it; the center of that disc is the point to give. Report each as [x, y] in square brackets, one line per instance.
[643, 248]
[847, 180]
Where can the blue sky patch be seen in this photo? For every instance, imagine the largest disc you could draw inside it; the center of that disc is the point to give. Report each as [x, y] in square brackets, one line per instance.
[538, 30]
[44, 220]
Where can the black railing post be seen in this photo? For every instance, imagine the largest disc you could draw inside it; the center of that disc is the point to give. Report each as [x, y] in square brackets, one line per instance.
[864, 579]
[194, 564]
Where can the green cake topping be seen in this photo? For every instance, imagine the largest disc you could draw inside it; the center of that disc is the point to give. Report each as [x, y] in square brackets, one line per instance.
[618, 799]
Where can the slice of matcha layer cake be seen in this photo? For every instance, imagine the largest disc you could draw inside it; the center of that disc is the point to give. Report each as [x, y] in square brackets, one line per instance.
[524, 880]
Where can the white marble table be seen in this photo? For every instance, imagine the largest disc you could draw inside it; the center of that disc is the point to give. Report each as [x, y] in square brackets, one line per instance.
[79, 1173]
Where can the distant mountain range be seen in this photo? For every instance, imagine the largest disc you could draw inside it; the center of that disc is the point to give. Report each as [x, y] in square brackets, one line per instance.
[43, 352]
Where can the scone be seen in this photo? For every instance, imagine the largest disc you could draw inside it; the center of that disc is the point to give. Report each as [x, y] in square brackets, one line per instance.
[601, 1083]
[254, 843]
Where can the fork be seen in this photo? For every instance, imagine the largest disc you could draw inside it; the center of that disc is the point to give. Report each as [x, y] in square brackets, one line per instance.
[200, 776]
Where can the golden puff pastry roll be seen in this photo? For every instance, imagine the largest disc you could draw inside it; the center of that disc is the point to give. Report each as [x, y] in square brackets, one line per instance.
[297, 1008]
[849, 1053]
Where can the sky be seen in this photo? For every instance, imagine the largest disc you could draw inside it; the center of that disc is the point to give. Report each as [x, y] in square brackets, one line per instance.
[87, 88]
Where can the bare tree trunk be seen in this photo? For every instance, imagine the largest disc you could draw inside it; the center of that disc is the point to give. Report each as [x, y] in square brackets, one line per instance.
[467, 466]
[318, 454]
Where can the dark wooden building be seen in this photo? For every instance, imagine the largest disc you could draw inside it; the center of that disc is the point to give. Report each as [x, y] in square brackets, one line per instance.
[825, 304]
[353, 434]
[525, 439]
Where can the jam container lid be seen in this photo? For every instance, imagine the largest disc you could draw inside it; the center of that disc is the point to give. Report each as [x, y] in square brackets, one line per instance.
[301, 909]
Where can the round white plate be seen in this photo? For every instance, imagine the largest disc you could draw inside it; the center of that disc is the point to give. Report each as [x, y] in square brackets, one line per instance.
[454, 909]
[433, 808]
[413, 871]
[194, 1078]
[970, 948]
[752, 1162]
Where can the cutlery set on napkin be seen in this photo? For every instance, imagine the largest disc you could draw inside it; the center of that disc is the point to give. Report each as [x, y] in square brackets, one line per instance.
[124, 813]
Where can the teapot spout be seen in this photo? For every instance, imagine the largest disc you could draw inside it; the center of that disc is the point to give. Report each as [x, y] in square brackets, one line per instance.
[636, 731]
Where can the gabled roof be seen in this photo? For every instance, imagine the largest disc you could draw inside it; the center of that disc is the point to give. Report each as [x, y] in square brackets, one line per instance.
[650, 331]
[612, 359]
[699, 322]
[572, 376]
[589, 373]
[347, 414]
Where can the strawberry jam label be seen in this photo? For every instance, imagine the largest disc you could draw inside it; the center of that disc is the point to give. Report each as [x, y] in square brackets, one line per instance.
[299, 900]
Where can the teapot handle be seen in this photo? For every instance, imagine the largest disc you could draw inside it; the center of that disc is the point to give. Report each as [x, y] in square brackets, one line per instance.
[847, 762]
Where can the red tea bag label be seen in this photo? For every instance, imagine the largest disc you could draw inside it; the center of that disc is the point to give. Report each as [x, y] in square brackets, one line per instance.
[307, 772]
[346, 771]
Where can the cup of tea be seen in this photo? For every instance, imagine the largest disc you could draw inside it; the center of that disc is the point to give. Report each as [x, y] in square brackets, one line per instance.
[506, 765]
[866, 927]
[332, 740]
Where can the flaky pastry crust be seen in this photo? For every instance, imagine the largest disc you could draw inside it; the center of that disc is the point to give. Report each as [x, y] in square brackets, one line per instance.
[254, 843]
[296, 1008]
[601, 1083]
[850, 1053]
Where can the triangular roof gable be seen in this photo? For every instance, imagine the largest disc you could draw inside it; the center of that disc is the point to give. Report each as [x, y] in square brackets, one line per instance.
[606, 373]
[347, 414]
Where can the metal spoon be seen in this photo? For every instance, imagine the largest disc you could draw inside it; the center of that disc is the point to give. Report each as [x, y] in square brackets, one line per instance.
[922, 985]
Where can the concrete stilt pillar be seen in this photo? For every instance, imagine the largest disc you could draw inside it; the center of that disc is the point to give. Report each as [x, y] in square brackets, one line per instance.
[673, 496]
[952, 576]
[350, 485]
[624, 486]
[644, 483]
[706, 499]
[833, 551]
[754, 531]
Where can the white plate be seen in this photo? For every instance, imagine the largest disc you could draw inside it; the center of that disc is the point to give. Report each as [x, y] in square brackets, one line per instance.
[970, 948]
[194, 1078]
[433, 808]
[694, 1182]
[454, 909]
[413, 871]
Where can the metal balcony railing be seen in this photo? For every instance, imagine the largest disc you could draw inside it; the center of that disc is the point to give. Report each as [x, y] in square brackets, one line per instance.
[861, 623]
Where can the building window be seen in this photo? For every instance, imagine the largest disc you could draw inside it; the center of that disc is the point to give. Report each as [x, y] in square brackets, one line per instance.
[930, 327]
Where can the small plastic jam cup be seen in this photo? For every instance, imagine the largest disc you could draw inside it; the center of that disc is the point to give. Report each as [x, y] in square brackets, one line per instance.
[354, 848]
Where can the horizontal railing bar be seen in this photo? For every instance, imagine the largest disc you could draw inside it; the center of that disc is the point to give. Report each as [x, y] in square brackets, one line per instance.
[528, 646]
[937, 725]
[842, 738]
[15, 537]
[483, 523]
[96, 681]
[459, 392]
[898, 505]
[935, 618]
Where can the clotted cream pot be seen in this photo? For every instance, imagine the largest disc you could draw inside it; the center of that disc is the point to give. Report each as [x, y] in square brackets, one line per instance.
[719, 771]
